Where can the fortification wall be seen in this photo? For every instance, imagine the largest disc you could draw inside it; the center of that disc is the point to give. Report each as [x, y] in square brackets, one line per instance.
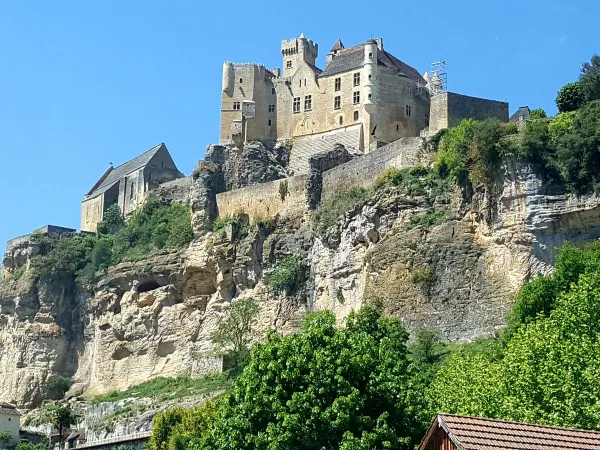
[176, 191]
[364, 170]
[264, 201]
[449, 108]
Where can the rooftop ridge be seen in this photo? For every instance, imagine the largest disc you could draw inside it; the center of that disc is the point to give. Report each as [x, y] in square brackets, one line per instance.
[141, 154]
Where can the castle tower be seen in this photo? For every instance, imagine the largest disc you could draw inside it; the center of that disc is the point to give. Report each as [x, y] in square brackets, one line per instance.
[297, 51]
[369, 90]
[228, 78]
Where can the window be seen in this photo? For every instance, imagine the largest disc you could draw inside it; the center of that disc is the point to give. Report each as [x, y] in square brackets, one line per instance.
[269, 122]
[273, 91]
[357, 79]
[370, 55]
[307, 102]
[397, 127]
[296, 104]
[369, 96]
[341, 120]
[356, 97]
[427, 119]
[288, 64]
[305, 82]
[338, 84]
[236, 105]
[271, 108]
[408, 110]
[300, 83]
[241, 80]
[370, 76]
[355, 115]
[337, 102]
[131, 191]
[409, 90]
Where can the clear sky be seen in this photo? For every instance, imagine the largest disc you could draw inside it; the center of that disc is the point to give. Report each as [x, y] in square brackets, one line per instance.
[87, 82]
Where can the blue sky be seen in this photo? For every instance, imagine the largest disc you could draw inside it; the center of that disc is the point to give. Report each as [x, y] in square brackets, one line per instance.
[86, 83]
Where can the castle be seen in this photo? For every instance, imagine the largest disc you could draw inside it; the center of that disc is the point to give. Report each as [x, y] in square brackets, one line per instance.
[365, 95]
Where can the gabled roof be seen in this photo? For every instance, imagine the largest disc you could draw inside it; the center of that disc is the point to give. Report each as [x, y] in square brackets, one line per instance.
[110, 177]
[475, 433]
[352, 58]
[522, 111]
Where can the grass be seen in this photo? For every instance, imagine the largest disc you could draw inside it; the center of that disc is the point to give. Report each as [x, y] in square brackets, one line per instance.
[162, 389]
[428, 219]
[330, 210]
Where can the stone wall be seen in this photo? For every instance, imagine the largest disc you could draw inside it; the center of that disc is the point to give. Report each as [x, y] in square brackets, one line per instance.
[449, 108]
[176, 191]
[364, 170]
[264, 201]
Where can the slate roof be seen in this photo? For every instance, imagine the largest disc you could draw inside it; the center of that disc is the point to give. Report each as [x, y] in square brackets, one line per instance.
[474, 433]
[119, 172]
[7, 408]
[522, 111]
[337, 45]
[352, 58]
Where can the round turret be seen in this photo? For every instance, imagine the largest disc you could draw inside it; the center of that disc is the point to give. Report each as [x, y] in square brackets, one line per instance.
[228, 78]
[369, 91]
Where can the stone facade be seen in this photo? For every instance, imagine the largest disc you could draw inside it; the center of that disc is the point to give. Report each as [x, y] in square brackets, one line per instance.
[449, 108]
[363, 84]
[128, 185]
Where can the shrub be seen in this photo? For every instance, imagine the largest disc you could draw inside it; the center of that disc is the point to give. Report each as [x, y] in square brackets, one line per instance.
[330, 210]
[182, 428]
[234, 330]
[18, 273]
[452, 158]
[428, 219]
[537, 113]
[112, 220]
[390, 177]
[26, 445]
[287, 275]
[62, 258]
[5, 437]
[423, 276]
[570, 97]
[56, 386]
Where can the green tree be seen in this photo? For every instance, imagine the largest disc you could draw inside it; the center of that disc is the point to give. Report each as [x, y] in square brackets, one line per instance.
[590, 79]
[326, 387]
[427, 348]
[26, 445]
[62, 417]
[56, 386]
[570, 97]
[5, 438]
[180, 428]
[112, 220]
[287, 275]
[537, 113]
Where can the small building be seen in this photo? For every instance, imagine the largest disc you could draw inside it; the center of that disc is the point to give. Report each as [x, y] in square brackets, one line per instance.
[128, 185]
[521, 115]
[10, 420]
[453, 432]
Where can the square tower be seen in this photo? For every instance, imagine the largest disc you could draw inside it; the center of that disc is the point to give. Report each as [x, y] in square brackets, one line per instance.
[295, 51]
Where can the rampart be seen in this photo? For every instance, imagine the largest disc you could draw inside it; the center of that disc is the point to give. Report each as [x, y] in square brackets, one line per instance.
[264, 201]
[449, 108]
[364, 170]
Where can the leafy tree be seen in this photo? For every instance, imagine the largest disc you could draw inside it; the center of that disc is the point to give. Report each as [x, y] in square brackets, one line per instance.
[570, 97]
[56, 386]
[62, 258]
[234, 330]
[112, 220]
[62, 417]
[537, 113]
[26, 445]
[326, 387]
[590, 79]
[427, 349]
[5, 438]
[452, 158]
[181, 428]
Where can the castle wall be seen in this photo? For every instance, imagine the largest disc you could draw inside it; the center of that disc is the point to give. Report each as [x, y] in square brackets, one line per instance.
[362, 172]
[92, 211]
[131, 192]
[264, 201]
[449, 108]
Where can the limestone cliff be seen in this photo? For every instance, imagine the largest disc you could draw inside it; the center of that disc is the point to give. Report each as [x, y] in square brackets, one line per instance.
[154, 317]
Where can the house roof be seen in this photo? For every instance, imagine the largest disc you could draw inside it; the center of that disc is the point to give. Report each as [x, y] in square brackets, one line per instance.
[522, 111]
[7, 408]
[337, 45]
[475, 433]
[111, 177]
[352, 58]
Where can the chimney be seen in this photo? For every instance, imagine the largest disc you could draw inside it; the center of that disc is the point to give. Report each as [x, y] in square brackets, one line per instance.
[379, 43]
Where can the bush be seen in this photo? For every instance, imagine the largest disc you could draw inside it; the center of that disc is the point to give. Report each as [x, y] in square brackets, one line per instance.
[423, 276]
[332, 209]
[179, 428]
[570, 97]
[56, 386]
[287, 275]
[26, 445]
[428, 219]
[112, 220]
[538, 113]
[62, 258]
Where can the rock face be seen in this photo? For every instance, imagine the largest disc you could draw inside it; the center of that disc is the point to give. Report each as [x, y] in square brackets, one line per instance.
[155, 317]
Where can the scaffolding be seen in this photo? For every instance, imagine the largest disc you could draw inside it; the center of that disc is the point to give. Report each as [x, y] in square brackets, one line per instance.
[438, 78]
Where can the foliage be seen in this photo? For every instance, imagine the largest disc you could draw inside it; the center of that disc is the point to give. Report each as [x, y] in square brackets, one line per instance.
[423, 275]
[548, 373]
[169, 388]
[428, 219]
[180, 428]
[18, 273]
[330, 210]
[560, 125]
[61, 416]
[62, 258]
[112, 220]
[26, 445]
[570, 97]
[325, 387]
[537, 113]
[5, 438]
[287, 275]
[417, 180]
[590, 79]
[427, 348]
[56, 386]
[220, 223]
[234, 330]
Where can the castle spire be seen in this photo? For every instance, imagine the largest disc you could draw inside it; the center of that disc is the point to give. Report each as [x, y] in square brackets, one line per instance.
[302, 36]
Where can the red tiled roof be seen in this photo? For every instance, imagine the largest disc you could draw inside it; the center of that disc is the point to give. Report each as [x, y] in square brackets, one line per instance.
[474, 433]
